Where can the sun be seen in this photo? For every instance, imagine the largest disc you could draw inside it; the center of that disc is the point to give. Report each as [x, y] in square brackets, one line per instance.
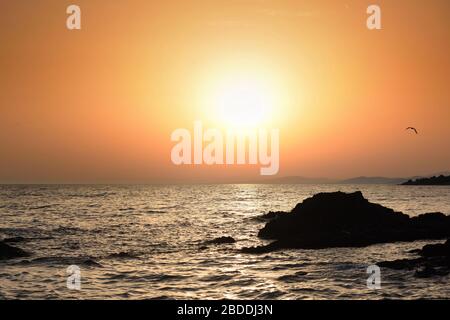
[243, 101]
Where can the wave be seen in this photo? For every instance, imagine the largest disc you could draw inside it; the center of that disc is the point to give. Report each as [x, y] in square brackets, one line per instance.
[289, 266]
[155, 211]
[91, 195]
[45, 206]
[150, 277]
[67, 230]
[123, 255]
[220, 277]
[276, 294]
[298, 276]
[127, 209]
[27, 234]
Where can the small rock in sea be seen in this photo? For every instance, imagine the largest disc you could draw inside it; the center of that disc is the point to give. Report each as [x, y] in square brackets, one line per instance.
[91, 263]
[428, 272]
[436, 250]
[123, 255]
[221, 240]
[434, 261]
[271, 215]
[401, 264]
[10, 252]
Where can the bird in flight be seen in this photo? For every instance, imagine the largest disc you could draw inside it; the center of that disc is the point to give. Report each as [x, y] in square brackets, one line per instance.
[413, 129]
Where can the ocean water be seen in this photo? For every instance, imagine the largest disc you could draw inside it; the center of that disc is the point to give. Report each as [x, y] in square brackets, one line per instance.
[146, 242]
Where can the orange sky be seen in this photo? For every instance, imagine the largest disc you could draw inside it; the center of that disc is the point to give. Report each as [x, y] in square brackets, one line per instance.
[99, 104]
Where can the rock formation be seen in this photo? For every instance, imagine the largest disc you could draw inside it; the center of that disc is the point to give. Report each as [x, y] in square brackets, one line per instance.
[340, 219]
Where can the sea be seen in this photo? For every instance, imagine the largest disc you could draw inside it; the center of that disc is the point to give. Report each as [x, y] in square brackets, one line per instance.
[148, 242]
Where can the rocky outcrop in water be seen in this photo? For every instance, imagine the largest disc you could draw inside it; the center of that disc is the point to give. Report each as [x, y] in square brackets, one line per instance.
[434, 260]
[9, 252]
[123, 255]
[270, 215]
[221, 240]
[433, 181]
[217, 241]
[340, 219]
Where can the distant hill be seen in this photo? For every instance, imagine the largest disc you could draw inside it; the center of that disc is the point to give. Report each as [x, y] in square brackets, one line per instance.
[373, 180]
[356, 180]
[433, 181]
[297, 180]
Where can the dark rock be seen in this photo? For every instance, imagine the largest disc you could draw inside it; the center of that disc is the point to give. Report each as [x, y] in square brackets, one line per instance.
[433, 181]
[434, 225]
[434, 261]
[340, 219]
[263, 249]
[429, 271]
[436, 250]
[221, 240]
[10, 252]
[123, 255]
[270, 215]
[401, 264]
[91, 263]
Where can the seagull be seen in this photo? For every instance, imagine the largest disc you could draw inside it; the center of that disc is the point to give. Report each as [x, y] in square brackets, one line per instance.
[413, 129]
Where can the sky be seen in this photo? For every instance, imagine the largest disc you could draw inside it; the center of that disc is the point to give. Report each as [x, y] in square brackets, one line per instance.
[98, 105]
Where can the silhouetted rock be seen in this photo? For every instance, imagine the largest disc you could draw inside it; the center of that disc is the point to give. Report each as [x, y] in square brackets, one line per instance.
[264, 249]
[123, 255]
[91, 263]
[10, 252]
[270, 215]
[429, 271]
[401, 264]
[433, 181]
[340, 219]
[221, 240]
[434, 261]
[414, 251]
[436, 250]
